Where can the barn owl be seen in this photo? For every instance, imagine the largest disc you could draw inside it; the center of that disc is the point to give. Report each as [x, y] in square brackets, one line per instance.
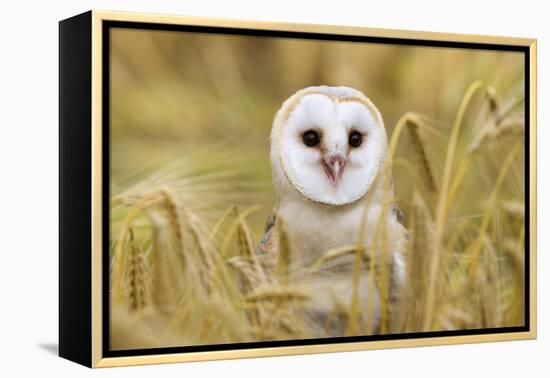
[328, 155]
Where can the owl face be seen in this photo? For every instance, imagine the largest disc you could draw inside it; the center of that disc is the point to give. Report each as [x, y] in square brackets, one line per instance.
[330, 143]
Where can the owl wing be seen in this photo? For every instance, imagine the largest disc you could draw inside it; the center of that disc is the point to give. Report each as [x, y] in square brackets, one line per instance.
[398, 213]
[267, 249]
[398, 263]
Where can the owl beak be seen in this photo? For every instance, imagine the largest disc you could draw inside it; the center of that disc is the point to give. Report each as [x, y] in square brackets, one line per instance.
[334, 168]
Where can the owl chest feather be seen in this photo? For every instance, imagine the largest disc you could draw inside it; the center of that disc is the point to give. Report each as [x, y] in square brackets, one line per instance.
[315, 229]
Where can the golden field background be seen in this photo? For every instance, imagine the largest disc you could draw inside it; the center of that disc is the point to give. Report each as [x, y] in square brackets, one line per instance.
[190, 182]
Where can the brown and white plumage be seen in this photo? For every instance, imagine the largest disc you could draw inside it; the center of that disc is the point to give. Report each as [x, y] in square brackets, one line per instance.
[329, 167]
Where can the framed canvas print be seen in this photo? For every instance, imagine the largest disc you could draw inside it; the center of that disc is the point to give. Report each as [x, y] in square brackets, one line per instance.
[236, 188]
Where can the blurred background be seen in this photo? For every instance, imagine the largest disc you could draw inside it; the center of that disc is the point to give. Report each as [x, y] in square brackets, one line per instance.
[190, 120]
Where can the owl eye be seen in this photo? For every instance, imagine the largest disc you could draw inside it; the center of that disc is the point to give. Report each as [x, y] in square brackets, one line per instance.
[311, 138]
[355, 139]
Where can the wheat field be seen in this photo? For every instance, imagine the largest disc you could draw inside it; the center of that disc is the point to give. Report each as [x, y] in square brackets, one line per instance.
[191, 191]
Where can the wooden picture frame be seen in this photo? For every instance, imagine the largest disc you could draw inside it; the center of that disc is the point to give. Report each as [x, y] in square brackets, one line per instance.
[85, 108]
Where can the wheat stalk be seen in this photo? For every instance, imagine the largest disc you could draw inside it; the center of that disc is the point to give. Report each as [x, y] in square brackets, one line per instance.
[136, 276]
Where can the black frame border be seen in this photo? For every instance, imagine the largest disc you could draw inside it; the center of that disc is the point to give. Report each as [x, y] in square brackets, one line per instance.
[105, 30]
[75, 184]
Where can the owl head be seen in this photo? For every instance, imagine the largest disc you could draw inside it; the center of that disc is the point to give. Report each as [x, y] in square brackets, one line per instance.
[329, 143]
